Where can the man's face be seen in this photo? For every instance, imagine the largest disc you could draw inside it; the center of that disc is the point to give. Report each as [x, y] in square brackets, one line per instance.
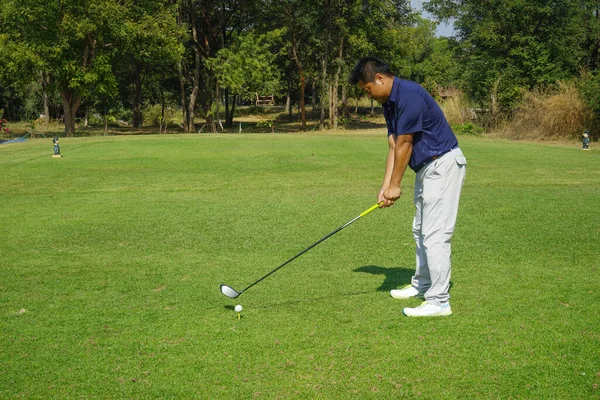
[377, 90]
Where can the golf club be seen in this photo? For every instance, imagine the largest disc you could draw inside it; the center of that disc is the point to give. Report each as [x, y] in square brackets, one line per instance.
[232, 293]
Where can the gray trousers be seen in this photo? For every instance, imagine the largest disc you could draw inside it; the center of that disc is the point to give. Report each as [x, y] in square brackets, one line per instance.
[437, 193]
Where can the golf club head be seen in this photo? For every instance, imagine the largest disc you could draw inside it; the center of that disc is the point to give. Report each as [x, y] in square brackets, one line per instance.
[229, 291]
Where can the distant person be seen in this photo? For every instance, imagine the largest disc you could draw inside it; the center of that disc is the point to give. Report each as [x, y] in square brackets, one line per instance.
[56, 143]
[586, 140]
[419, 137]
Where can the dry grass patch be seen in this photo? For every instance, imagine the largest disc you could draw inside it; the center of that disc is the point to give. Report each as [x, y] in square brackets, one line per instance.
[544, 115]
[456, 108]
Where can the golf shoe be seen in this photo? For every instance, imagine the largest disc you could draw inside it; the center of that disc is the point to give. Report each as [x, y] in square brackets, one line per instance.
[428, 310]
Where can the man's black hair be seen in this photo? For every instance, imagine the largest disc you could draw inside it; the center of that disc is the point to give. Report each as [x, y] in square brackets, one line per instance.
[366, 69]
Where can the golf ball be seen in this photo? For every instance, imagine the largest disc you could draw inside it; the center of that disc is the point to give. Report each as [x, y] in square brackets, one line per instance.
[238, 308]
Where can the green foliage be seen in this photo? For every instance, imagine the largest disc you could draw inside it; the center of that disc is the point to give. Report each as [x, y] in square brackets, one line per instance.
[381, 28]
[432, 87]
[113, 114]
[467, 128]
[75, 43]
[509, 47]
[95, 119]
[343, 120]
[589, 87]
[247, 66]
[267, 123]
[102, 52]
[153, 115]
[439, 64]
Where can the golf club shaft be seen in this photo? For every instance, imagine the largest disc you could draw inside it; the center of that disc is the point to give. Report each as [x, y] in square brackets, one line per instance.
[374, 207]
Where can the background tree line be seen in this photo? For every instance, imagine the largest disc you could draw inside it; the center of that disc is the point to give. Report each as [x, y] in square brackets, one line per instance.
[113, 59]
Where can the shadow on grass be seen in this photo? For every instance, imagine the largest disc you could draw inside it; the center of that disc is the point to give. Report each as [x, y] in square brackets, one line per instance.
[393, 277]
[312, 299]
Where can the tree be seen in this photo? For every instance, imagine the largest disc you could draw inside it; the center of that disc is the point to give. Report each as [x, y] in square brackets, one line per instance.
[433, 59]
[71, 41]
[247, 67]
[151, 45]
[508, 47]
[297, 19]
[380, 28]
[210, 26]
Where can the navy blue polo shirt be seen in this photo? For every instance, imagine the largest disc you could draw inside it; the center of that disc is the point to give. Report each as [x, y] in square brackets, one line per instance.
[411, 109]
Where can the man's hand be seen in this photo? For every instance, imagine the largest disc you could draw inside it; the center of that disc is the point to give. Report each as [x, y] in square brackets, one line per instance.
[396, 162]
[389, 195]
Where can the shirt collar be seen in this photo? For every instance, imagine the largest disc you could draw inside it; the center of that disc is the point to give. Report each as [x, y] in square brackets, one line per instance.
[393, 94]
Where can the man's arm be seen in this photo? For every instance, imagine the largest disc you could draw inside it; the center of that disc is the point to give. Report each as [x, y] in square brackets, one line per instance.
[398, 157]
[389, 167]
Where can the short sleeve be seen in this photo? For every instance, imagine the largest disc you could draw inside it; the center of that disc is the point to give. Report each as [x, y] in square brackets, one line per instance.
[410, 114]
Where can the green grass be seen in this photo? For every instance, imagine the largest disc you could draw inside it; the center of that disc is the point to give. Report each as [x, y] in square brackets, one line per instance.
[111, 259]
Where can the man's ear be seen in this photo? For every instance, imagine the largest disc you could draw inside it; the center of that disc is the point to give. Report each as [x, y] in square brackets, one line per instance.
[381, 78]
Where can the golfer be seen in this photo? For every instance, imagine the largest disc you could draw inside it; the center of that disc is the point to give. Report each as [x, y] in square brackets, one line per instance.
[419, 137]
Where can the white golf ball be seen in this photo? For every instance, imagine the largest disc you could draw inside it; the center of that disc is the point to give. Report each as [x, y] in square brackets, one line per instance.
[238, 308]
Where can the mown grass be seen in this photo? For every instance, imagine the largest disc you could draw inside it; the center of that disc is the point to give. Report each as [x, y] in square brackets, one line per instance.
[111, 258]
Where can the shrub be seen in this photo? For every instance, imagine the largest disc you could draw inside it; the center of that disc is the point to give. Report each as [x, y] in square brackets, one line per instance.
[541, 115]
[456, 108]
[152, 115]
[468, 128]
[588, 85]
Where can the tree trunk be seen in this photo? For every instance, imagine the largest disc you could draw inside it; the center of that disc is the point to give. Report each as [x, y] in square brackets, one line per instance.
[229, 110]
[323, 86]
[336, 84]
[70, 101]
[289, 100]
[162, 110]
[188, 104]
[137, 97]
[295, 57]
[313, 95]
[70, 104]
[183, 102]
[324, 96]
[324, 59]
[196, 80]
[190, 111]
[205, 100]
[334, 106]
[105, 121]
[218, 110]
[302, 105]
[45, 82]
[227, 123]
[344, 102]
[232, 110]
[330, 96]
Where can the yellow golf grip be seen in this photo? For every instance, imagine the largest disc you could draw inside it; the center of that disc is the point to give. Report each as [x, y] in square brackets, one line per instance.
[376, 206]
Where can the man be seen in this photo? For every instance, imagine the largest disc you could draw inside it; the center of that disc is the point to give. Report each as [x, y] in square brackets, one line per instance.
[419, 137]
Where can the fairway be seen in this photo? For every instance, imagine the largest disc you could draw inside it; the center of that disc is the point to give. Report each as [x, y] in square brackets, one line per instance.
[112, 256]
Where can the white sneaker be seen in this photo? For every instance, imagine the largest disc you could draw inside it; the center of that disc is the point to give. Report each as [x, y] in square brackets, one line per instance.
[428, 310]
[406, 292]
